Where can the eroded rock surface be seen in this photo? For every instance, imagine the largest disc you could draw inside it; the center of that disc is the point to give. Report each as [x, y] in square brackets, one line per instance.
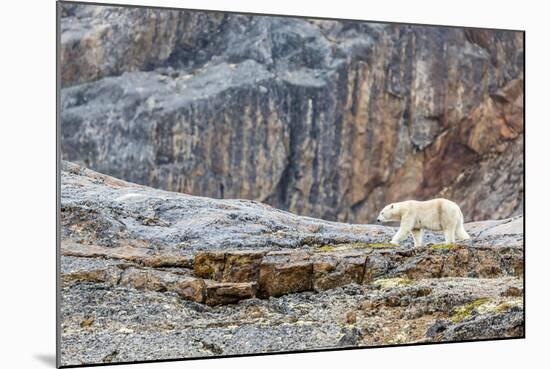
[331, 119]
[253, 279]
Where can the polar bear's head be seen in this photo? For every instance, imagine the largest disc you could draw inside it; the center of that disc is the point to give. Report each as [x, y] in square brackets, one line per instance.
[390, 213]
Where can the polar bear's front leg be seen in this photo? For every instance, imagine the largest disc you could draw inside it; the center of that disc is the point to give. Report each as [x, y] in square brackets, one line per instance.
[418, 235]
[407, 224]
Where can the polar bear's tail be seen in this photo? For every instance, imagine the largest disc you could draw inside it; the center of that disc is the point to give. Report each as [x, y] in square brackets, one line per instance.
[460, 231]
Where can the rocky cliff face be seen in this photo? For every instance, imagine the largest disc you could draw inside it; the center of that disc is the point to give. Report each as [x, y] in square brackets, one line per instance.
[331, 119]
[148, 274]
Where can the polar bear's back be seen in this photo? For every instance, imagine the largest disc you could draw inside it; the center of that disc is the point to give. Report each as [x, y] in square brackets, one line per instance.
[436, 214]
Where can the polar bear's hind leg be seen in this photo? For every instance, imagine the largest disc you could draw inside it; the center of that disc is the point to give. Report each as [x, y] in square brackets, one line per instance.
[449, 235]
[461, 232]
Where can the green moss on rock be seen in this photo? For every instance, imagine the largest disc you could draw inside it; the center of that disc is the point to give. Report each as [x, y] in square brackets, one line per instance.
[381, 245]
[353, 245]
[325, 248]
[462, 312]
[445, 246]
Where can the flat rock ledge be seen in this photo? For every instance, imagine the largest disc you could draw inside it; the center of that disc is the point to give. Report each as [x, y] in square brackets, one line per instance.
[225, 277]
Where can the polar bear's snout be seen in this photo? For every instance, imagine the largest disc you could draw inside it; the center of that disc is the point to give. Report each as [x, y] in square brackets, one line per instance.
[387, 214]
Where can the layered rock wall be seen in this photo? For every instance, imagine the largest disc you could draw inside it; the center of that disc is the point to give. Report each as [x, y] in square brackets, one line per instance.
[331, 119]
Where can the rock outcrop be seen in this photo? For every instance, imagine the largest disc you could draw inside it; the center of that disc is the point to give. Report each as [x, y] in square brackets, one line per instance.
[330, 119]
[149, 274]
[229, 276]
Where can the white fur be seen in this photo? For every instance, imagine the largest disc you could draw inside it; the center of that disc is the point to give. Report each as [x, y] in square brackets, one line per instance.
[415, 216]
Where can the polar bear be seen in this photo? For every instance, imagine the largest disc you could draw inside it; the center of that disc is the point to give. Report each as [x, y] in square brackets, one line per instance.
[415, 216]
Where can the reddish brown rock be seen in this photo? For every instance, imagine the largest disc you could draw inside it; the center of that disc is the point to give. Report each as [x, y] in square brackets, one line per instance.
[331, 270]
[456, 262]
[231, 266]
[209, 265]
[152, 280]
[285, 272]
[379, 263]
[143, 280]
[242, 266]
[157, 261]
[512, 292]
[189, 288]
[488, 264]
[129, 253]
[428, 266]
[220, 293]
[109, 275]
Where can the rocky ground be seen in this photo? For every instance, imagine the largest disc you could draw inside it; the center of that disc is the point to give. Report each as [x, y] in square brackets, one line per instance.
[149, 274]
